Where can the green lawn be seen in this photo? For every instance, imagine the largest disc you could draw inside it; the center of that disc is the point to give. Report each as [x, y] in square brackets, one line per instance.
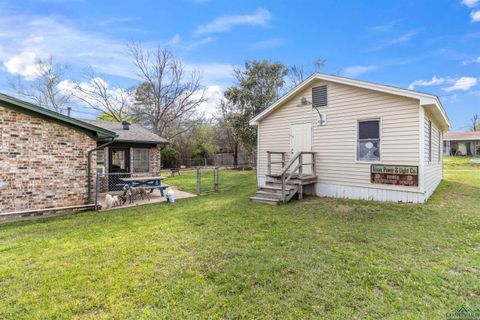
[219, 256]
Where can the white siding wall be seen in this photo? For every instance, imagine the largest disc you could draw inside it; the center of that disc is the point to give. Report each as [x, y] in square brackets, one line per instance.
[335, 143]
[433, 169]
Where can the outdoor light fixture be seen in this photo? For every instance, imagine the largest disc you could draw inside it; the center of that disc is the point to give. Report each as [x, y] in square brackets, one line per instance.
[322, 117]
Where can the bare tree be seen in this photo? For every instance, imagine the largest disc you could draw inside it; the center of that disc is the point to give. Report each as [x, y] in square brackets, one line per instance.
[474, 123]
[45, 90]
[225, 137]
[97, 94]
[319, 64]
[296, 75]
[168, 95]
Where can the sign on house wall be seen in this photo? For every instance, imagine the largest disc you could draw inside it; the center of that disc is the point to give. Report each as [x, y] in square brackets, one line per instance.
[395, 175]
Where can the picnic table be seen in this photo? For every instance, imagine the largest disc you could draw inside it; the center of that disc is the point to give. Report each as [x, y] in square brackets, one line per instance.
[151, 183]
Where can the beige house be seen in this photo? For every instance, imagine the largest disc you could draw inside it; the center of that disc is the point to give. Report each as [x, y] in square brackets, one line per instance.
[337, 137]
[461, 143]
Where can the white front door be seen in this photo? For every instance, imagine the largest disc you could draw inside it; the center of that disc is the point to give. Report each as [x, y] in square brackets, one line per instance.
[301, 140]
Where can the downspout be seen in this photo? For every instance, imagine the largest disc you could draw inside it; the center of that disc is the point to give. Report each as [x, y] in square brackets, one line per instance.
[89, 167]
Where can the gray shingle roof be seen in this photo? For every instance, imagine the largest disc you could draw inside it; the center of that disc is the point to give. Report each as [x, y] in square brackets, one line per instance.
[136, 133]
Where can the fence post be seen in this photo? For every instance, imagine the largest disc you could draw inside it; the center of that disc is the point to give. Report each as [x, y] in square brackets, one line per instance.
[97, 190]
[215, 179]
[199, 177]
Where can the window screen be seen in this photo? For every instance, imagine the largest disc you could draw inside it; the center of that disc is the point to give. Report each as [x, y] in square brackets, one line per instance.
[141, 160]
[100, 155]
[368, 144]
[368, 130]
[319, 96]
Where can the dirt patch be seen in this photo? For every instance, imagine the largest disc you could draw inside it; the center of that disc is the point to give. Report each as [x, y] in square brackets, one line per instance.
[344, 208]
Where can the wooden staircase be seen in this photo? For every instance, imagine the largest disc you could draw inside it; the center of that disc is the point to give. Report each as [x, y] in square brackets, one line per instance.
[281, 187]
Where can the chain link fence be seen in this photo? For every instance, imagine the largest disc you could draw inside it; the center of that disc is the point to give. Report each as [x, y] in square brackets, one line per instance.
[218, 160]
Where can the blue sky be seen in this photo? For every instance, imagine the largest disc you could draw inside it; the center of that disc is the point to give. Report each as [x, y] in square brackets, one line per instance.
[431, 46]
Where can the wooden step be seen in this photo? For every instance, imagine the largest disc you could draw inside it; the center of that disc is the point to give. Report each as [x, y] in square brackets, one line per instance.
[266, 200]
[266, 194]
[277, 188]
[294, 180]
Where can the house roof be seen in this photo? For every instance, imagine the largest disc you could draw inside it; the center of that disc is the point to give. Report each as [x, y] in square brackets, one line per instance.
[469, 135]
[424, 98]
[136, 133]
[23, 106]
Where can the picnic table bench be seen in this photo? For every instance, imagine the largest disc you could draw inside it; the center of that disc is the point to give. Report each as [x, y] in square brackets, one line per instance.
[151, 183]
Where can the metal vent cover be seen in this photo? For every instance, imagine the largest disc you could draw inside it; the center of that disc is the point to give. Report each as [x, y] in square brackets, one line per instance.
[319, 96]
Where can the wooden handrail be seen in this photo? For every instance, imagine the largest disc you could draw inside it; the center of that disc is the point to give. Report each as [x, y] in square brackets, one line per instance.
[284, 175]
[269, 160]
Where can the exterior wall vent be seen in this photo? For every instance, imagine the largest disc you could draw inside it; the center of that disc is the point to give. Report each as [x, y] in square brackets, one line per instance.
[319, 96]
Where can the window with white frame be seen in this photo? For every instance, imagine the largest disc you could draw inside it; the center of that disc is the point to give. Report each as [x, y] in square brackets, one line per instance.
[141, 159]
[368, 143]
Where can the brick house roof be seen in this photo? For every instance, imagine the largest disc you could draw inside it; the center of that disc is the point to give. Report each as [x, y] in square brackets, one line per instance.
[30, 108]
[135, 133]
[468, 135]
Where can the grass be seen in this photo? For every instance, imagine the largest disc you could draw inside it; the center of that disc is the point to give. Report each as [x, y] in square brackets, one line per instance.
[219, 256]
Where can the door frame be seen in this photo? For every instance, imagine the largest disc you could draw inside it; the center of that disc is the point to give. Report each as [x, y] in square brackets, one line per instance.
[127, 157]
[291, 135]
[311, 142]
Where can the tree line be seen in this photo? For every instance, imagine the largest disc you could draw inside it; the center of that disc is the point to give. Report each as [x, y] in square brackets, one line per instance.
[167, 99]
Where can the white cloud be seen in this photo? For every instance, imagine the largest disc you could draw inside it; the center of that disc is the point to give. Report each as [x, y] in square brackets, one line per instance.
[33, 37]
[266, 44]
[470, 3]
[116, 95]
[428, 83]
[475, 60]
[177, 42]
[355, 71]
[23, 64]
[475, 16]
[213, 73]
[403, 38]
[260, 17]
[384, 27]
[213, 96]
[463, 83]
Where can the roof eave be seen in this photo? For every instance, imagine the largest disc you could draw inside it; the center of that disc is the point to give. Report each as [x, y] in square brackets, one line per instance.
[18, 104]
[424, 98]
[142, 141]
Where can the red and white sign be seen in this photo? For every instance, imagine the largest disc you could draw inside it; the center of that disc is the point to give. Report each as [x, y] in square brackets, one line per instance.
[394, 175]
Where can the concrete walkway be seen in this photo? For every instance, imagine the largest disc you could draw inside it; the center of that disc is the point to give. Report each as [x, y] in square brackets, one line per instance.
[154, 198]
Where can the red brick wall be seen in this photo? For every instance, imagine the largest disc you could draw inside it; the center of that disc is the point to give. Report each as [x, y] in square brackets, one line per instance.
[43, 164]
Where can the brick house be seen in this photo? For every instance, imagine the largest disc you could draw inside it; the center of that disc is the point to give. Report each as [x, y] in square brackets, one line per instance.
[135, 151]
[45, 156]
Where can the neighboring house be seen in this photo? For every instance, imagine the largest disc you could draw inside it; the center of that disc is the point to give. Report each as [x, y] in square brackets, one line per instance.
[352, 139]
[44, 156]
[461, 143]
